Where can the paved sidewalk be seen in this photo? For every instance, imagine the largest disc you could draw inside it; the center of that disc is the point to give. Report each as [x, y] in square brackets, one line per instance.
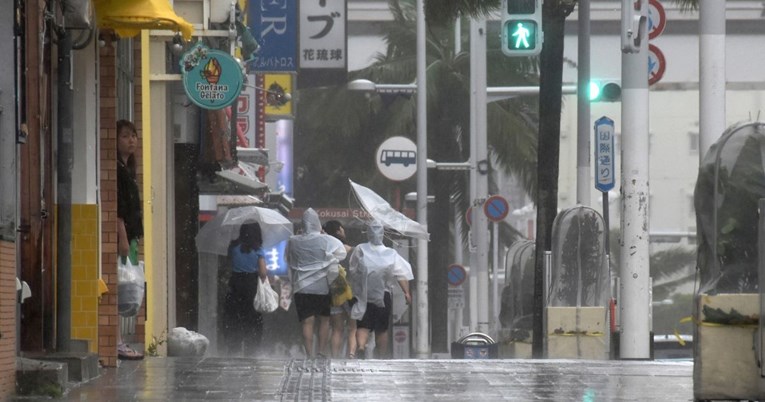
[239, 379]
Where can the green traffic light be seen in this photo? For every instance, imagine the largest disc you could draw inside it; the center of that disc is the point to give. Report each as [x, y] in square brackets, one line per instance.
[594, 91]
[521, 34]
[605, 91]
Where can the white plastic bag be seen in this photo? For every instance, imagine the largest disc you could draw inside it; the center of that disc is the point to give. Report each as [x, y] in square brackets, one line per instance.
[130, 287]
[266, 300]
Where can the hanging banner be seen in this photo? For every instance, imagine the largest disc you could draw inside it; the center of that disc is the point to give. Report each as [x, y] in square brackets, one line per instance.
[212, 79]
[274, 25]
[278, 96]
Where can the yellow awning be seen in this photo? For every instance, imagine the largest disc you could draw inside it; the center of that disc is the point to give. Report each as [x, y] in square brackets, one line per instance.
[128, 17]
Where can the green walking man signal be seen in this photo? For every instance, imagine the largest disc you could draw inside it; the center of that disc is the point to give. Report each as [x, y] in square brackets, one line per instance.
[521, 27]
[521, 33]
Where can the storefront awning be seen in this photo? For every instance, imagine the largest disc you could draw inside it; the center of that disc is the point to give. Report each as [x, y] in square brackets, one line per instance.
[128, 17]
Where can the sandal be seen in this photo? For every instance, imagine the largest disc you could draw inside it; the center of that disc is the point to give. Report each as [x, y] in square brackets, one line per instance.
[125, 352]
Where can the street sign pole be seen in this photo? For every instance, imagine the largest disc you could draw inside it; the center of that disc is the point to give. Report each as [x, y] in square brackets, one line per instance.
[711, 73]
[605, 165]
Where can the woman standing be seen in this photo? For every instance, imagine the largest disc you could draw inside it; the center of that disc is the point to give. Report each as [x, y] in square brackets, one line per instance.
[242, 324]
[340, 315]
[129, 218]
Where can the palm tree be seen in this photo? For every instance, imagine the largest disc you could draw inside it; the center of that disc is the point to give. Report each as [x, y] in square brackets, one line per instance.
[357, 121]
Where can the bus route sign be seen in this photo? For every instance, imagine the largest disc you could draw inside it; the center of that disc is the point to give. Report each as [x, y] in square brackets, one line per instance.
[396, 158]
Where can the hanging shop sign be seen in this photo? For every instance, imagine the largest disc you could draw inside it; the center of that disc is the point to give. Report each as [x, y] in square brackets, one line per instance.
[212, 79]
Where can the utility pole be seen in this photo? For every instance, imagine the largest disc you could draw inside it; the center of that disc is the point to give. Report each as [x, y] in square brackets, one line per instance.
[711, 73]
[583, 105]
[8, 147]
[480, 227]
[634, 264]
[64, 195]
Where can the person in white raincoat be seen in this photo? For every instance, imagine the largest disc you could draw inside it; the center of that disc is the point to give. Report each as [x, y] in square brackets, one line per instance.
[311, 256]
[374, 269]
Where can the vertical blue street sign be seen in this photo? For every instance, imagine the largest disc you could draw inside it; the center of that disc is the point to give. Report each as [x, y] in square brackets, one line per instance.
[604, 154]
[275, 26]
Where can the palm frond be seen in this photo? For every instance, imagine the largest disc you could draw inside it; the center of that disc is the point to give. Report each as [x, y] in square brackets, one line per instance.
[688, 5]
[443, 11]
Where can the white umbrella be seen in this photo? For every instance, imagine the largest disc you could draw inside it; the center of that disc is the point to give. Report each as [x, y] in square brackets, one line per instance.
[379, 209]
[216, 235]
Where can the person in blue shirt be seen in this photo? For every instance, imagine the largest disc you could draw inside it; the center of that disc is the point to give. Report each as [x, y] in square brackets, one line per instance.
[243, 326]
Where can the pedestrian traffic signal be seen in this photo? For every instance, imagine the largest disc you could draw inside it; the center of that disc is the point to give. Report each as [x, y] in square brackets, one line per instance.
[605, 91]
[521, 27]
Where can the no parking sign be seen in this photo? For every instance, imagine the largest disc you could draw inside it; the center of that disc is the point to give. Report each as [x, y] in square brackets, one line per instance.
[496, 208]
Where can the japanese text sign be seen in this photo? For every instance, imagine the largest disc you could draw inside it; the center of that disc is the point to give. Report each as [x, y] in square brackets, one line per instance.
[274, 25]
[604, 154]
[323, 34]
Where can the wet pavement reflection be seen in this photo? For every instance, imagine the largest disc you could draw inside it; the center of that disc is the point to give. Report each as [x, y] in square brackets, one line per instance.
[241, 379]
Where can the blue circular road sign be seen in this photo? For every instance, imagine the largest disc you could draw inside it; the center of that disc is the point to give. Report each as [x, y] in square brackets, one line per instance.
[456, 274]
[496, 208]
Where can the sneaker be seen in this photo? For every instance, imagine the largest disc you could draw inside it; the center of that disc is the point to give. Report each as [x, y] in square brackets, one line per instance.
[125, 352]
[361, 354]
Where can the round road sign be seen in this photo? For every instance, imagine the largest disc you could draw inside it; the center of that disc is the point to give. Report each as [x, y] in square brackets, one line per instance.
[396, 158]
[496, 208]
[456, 274]
[657, 19]
[657, 64]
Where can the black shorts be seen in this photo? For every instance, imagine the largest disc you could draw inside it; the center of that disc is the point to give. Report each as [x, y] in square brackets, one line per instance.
[309, 305]
[377, 318]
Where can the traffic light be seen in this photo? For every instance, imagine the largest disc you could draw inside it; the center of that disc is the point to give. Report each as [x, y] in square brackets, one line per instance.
[522, 27]
[605, 91]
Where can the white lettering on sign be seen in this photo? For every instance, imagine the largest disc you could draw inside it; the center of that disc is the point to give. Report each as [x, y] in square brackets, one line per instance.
[269, 22]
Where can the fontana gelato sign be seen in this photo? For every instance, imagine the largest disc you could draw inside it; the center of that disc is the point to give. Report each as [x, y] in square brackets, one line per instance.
[212, 79]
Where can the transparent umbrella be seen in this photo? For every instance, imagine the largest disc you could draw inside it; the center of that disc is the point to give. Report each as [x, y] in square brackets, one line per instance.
[381, 210]
[216, 235]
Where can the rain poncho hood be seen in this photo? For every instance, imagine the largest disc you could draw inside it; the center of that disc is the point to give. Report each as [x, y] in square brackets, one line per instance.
[375, 233]
[374, 269]
[311, 255]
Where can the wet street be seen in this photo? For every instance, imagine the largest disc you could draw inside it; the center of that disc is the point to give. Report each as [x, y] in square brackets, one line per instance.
[191, 379]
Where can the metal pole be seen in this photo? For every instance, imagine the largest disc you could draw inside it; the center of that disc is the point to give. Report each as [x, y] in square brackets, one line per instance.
[422, 347]
[583, 106]
[495, 276]
[711, 73]
[64, 195]
[480, 222]
[473, 282]
[634, 342]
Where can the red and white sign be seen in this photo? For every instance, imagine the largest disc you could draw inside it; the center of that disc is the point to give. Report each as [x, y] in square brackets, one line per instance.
[657, 19]
[657, 64]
